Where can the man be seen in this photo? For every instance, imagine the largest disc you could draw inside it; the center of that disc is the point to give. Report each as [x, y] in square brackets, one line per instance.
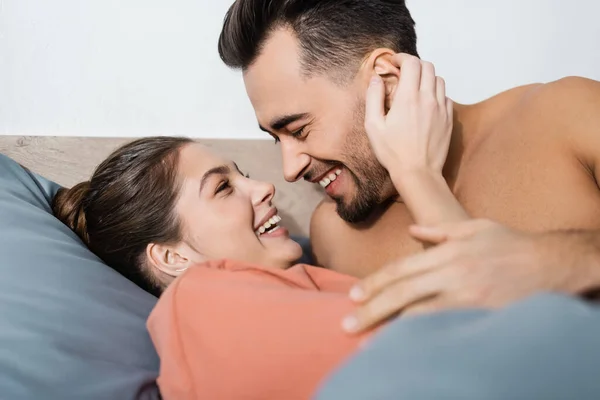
[526, 158]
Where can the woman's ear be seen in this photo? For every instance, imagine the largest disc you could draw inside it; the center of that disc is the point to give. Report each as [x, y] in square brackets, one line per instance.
[380, 62]
[168, 259]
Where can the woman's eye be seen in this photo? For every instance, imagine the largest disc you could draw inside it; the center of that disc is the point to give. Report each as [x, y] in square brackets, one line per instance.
[223, 186]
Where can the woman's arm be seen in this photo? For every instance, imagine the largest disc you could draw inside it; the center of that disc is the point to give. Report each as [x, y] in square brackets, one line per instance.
[428, 197]
[412, 139]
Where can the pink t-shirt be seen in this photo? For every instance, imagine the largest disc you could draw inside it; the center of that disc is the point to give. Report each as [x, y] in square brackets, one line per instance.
[231, 330]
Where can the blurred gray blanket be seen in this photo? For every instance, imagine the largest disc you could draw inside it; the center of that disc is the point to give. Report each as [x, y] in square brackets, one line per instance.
[544, 347]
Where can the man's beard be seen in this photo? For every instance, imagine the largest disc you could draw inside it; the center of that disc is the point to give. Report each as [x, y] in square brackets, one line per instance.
[370, 177]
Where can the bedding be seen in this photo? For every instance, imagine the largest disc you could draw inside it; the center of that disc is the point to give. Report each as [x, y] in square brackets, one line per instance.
[70, 327]
[229, 330]
[544, 347]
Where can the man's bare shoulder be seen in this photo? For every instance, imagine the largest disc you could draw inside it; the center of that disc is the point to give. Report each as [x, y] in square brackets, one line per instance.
[565, 94]
[567, 97]
[484, 116]
[566, 108]
[575, 85]
[569, 108]
[535, 163]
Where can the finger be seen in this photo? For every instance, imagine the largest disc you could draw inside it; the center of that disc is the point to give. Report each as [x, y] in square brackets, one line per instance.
[428, 234]
[399, 59]
[392, 300]
[410, 75]
[428, 78]
[468, 228]
[450, 108]
[453, 231]
[440, 91]
[431, 305]
[374, 106]
[417, 264]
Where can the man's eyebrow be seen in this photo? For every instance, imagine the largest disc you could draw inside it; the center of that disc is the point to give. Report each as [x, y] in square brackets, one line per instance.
[283, 121]
[220, 170]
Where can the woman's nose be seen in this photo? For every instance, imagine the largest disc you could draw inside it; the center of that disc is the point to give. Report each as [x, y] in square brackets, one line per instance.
[263, 193]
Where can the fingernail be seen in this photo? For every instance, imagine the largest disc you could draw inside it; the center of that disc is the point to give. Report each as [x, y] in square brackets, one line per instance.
[375, 80]
[350, 323]
[356, 293]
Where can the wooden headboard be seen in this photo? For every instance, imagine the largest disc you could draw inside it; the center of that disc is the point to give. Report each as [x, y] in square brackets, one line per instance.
[69, 160]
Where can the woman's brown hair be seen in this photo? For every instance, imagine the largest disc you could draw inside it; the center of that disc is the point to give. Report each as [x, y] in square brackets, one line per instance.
[128, 203]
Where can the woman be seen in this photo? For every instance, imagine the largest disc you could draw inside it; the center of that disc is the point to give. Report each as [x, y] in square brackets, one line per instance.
[159, 208]
[241, 321]
[158, 205]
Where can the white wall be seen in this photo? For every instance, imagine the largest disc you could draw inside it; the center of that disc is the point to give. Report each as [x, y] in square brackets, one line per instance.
[146, 67]
[482, 47]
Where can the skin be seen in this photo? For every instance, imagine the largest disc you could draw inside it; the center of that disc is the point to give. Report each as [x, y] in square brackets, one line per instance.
[329, 136]
[333, 130]
[526, 159]
[220, 210]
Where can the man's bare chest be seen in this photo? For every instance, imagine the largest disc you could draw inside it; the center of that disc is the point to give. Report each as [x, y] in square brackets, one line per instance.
[528, 186]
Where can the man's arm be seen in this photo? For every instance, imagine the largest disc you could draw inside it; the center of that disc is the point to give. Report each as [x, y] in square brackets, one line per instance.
[571, 108]
[574, 103]
[480, 263]
[578, 252]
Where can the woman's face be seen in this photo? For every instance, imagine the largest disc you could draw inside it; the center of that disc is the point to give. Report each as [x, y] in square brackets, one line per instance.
[225, 214]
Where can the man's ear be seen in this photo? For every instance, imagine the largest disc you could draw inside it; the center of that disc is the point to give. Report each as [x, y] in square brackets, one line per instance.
[380, 62]
[168, 259]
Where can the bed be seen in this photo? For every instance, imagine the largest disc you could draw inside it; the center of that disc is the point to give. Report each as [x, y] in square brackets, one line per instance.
[72, 328]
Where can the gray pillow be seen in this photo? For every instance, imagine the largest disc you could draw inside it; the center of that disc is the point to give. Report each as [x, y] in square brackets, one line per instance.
[70, 327]
[304, 242]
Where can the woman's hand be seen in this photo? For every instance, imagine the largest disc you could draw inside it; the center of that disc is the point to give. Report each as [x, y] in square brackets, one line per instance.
[413, 139]
[415, 133]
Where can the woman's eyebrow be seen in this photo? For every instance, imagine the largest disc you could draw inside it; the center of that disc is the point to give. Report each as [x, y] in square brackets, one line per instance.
[220, 170]
[238, 168]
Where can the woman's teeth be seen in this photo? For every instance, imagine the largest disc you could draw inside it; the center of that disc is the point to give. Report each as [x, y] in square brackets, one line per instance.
[270, 225]
[330, 178]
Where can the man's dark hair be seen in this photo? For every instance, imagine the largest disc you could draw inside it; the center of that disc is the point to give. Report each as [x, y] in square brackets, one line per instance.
[334, 35]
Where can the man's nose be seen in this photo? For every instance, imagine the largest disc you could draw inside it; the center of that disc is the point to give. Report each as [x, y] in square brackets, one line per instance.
[295, 162]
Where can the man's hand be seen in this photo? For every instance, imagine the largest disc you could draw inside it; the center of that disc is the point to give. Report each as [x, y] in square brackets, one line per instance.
[477, 263]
